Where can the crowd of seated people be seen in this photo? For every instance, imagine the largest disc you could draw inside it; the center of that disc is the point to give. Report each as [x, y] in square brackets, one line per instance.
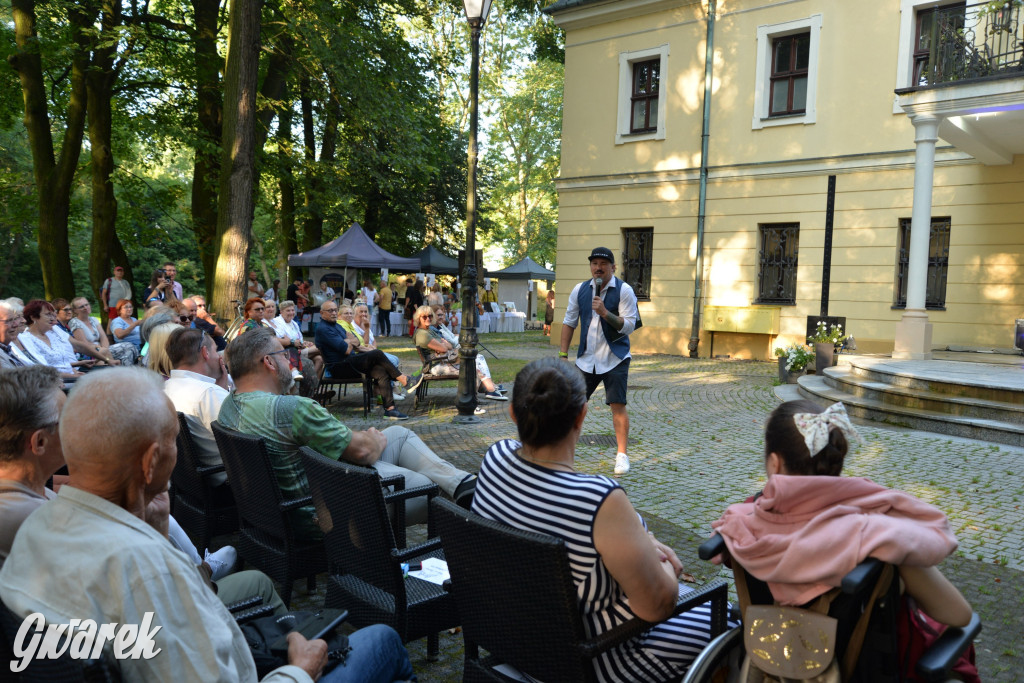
[118, 480]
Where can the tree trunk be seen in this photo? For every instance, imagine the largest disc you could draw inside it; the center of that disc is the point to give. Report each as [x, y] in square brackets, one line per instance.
[100, 89]
[313, 229]
[206, 169]
[53, 176]
[288, 242]
[236, 194]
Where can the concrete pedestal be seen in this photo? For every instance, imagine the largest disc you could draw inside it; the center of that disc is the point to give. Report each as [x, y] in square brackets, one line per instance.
[913, 337]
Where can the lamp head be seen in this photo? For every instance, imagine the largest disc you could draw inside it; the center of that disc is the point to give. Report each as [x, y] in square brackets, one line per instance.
[477, 11]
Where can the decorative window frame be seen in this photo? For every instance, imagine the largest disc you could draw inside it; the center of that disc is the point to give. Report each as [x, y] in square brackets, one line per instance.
[766, 34]
[626, 61]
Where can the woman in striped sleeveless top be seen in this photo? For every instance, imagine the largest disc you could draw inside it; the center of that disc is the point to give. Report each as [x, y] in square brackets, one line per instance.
[620, 570]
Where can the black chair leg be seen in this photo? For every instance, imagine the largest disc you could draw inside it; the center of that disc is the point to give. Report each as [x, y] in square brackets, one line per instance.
[433, 646]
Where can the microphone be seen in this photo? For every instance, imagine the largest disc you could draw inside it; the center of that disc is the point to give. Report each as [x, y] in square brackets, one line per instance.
[598, 283]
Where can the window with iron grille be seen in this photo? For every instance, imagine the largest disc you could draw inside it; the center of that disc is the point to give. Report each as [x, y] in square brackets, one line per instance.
[777, 260]
[938, 264]
[644, 100]
[636, 260]
[790, 58]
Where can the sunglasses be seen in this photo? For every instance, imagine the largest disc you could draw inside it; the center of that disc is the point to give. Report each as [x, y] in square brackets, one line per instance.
[186, 318]
[259, 310]
[426, 317]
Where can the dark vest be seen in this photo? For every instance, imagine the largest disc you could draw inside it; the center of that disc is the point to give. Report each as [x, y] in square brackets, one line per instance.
[618, 342]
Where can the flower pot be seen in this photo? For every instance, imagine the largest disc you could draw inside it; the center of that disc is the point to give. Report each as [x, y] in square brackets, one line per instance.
[783, 372]
[793, 375]
[824, 357]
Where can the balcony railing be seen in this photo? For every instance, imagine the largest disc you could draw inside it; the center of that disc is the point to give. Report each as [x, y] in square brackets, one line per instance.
[959, 43]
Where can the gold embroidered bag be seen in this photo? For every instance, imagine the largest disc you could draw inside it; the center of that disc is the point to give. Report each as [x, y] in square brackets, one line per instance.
[788, 644]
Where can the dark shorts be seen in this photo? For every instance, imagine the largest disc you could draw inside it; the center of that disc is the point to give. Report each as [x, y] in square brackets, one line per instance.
[615, 381]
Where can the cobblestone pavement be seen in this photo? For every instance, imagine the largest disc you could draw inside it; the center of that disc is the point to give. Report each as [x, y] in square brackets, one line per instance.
[696, 445]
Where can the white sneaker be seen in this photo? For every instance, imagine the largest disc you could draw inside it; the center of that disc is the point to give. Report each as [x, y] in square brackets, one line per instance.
[221, 562]
[621, 463]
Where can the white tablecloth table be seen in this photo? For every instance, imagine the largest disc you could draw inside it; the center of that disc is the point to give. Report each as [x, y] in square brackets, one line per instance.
[483, 323]
[514, 322]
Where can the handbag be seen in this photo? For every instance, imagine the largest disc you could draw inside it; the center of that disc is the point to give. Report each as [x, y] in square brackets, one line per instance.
[917, 631]
[786, 644]
[261, 634]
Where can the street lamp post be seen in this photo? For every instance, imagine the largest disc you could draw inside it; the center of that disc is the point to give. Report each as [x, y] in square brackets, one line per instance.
[476, 14]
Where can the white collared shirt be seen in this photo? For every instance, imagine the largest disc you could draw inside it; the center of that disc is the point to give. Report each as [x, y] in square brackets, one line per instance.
[199, 398]
[599, 358]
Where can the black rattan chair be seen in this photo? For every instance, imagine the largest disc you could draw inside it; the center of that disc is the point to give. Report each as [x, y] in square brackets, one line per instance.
[266, 539]
[64, 669]
[327, 387]
[517, 599]
[365, 553]
[202, 510]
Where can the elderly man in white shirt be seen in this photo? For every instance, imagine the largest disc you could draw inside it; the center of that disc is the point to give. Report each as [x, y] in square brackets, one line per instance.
[197, 386]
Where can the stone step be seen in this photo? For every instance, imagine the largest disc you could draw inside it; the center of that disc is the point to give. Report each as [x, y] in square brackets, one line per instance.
[814, 387]
[1001, 383]
[846, 378]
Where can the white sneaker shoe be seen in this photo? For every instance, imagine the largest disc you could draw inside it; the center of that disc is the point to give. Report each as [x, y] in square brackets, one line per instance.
[221, 562]
[621, 463]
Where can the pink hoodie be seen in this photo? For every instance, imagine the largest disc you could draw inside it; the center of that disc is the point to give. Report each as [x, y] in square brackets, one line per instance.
[806, 532]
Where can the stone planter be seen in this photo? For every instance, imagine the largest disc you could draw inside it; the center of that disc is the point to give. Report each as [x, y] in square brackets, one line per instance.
[786, 376]
[824, 357]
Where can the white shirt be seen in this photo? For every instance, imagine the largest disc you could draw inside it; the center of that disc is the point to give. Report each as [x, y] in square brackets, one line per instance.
[599, 358]
[199, 398]
[55, 355]
[368, 294]
[286, 330]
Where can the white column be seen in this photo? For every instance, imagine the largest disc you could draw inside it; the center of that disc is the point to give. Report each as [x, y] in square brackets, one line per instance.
[914, 332]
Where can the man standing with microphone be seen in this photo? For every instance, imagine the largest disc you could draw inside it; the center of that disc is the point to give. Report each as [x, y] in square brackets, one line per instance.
[605, 309]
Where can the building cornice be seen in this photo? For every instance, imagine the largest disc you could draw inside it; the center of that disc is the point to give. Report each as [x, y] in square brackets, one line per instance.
[576, 14]
[853, 163]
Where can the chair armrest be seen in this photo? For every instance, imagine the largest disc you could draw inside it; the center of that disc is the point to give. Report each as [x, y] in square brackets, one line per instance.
[207, 470]
[429, 490]
[403, 554]
[244, 603]
[716, 591]
[396, 480]
[296, 503]
[254, 613]
[938, 659]
[862, 577]
[711, 547]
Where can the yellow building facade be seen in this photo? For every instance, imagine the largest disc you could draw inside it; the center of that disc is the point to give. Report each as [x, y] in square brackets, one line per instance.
[882, 110]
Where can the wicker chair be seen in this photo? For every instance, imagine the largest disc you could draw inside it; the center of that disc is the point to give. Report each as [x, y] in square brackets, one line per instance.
[517, 599]
[323, 394]
[365, 556]
[266, 539]
[202, 510]
[428, 362]
[64, 669]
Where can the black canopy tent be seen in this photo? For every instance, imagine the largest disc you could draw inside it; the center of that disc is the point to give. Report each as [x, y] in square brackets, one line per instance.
[527, 269]
[354, 249]
[433, 260]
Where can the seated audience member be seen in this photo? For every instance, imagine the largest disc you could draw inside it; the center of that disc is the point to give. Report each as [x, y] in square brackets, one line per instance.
[343, 361]
[810, 522]
[356, 320]
[495, 391]
[124, 327]
[30, 452]
[87, 329]
[254, 310]
[154, 317]
[201, 324]
[197, 387]
[11, 324]
[260, 407]
[62, 327]
[43, 344]
[202, 313]
[182, 314]
[432, 344]
[156, 358]
[301, 353]
[620, 571]
[120, 479]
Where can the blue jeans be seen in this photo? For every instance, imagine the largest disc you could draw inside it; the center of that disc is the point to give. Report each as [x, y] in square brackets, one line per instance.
[377, 656]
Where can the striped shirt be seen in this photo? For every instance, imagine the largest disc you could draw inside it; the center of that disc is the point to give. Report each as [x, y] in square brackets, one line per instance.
[564, 504]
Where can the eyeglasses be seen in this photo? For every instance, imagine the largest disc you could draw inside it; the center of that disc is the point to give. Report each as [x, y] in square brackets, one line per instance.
[10, 322]
[258, 310]
[274, 353]
[200, 305]
[202, 340]
[66, 309]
